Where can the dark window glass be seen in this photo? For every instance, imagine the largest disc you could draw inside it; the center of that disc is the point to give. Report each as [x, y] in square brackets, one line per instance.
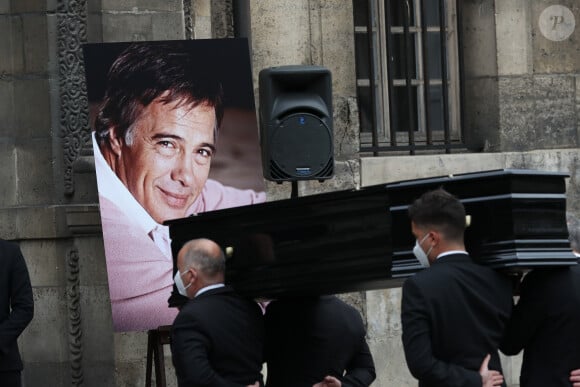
[434, 55]
[361, 11]
[364, 110]
[435, 99]
[399, 59]
[362, 56]
[403, 119]
[431, 8]
[397, 10]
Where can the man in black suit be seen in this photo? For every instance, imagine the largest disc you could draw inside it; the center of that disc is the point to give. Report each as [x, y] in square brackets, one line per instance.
[16, 311]
[545, 323]
[455, 312]
[217, 338]
[316, 341]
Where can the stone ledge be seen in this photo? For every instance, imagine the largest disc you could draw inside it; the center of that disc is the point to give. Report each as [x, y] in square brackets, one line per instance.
[43, 222]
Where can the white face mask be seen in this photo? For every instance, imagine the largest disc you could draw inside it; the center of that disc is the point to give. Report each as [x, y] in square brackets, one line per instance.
[420, 254]
[181, 288]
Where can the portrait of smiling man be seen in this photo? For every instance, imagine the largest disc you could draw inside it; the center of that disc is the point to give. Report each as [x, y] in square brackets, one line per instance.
[155, 136]
[164, 157]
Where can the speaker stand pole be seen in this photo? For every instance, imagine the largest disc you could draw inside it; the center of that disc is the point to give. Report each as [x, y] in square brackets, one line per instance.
[294, 193]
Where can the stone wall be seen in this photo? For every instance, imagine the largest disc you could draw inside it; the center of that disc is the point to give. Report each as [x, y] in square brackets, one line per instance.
[37, 206]
[521, 67]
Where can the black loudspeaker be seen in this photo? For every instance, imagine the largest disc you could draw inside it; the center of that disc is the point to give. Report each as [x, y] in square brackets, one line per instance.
[296, 123]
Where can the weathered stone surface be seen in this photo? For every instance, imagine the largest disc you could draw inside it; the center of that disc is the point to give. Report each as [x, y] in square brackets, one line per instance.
[99, 374]
[6, 53]
[346, 128]
[130, 346]
[46, 261]
[384, 336]
[126, 27]
[118, 27]
[167, 26]
[577, 105]
[35, 43]
[18, 6]
[537, 112]
[8, 170]
[93, 268]
[549, 56]
[16, 38]
[481, 114]
[514, 54]
[86, 190]
[130, 355]
[7, 117]
[32, 109]
[516, 104]
[141, 6]
[40, 373]
[45, 339]
[222, 18]
[479, 48]
[96, 326]
[32, 222]
[34, 188]
[288, 22]
[202, 27]
[333, 31]
[556, 120]
[94, 26]
[377, 170]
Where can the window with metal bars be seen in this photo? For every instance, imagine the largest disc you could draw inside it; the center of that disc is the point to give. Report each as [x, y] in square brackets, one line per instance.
[407, 75]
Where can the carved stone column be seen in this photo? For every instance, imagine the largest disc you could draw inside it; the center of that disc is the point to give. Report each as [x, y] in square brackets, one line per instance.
[74, 309]
[74, 121]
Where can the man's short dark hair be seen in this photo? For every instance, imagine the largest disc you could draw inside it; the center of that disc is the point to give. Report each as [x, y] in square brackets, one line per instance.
[146, 71]
[440, 210]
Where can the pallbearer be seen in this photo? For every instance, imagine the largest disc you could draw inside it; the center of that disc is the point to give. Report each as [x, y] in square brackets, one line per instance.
[455, 312]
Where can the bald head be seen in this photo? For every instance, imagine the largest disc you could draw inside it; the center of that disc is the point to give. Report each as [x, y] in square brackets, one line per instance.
[205, 260]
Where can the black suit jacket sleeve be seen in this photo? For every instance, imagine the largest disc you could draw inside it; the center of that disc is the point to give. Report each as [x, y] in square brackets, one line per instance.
[192, 365]
[418, 347]
[526, 316]
[360, 372]
[19, 292]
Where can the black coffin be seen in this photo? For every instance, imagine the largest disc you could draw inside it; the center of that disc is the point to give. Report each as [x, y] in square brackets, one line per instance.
[323, 244]
[361, 239]
[518, 218]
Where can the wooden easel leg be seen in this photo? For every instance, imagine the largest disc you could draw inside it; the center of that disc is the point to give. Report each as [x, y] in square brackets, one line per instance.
[149, 367]
[156, 338]
[159, 362]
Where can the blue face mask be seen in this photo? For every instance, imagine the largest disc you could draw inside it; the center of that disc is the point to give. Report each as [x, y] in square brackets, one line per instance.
[181, 288]
[421, 256]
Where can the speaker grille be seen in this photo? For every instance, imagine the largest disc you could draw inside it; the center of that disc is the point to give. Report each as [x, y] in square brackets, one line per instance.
[328, 170]
[277, 173]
